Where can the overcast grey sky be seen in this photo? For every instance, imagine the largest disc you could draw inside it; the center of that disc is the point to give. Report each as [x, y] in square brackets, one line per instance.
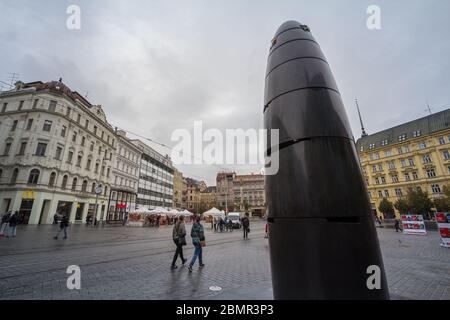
[156, 66]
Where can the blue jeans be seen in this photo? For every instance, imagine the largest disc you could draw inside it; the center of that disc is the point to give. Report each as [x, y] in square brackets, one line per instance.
[11, 231]
[197, 253]
[65, 232]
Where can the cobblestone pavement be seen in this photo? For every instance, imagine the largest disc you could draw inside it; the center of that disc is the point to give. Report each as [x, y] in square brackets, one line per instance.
[133, 263]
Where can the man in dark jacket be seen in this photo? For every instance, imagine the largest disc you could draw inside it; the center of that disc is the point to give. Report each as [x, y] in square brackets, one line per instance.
[179, 238]
[4, 226]
[63, 227]
[245, 225]
[12, 225]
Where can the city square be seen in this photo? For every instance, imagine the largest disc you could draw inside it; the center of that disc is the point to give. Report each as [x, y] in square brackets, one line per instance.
[134, 263]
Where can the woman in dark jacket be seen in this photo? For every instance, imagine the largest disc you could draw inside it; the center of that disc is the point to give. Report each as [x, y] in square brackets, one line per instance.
[12, 225]
[198, 240]
[179, 238]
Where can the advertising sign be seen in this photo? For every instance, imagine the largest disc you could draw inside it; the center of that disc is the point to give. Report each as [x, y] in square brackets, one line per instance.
[443, 222]
[413, 224]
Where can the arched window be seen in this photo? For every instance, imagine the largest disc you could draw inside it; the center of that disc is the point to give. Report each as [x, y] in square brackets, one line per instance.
[34, 176]
[14, 175]
[51, 181]
[106, 191]
[84, 186]
[93, 188]
[64, 182]
[74, 184]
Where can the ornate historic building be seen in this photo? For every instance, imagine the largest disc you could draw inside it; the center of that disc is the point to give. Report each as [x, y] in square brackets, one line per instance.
[56, 149]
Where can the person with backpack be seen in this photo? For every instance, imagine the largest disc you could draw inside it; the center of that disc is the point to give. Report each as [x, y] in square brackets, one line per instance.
[12, 225]
[198, 240]
[246, 225]
[5, 220]
[63, 227]
[179, 238]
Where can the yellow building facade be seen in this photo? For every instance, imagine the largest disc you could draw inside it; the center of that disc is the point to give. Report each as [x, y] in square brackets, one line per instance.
[412, 155]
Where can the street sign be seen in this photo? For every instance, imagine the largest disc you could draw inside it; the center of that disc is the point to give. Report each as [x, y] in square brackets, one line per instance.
[98, 190]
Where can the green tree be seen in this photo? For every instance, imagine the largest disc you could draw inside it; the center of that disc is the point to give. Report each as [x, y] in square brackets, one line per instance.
[386, 208]
[419, 202]
[443, 204]
[401, 205]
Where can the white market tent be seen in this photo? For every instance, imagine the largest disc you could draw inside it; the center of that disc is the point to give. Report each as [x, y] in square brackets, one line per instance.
[172, 212]
[186, 213]
[142, 210]
[158, 210]
[214, 212]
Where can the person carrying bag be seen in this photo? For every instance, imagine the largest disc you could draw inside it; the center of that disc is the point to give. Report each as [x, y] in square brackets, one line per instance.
[198, 240]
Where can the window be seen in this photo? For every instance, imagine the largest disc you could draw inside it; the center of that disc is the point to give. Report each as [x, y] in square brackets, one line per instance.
[14, 176]
[380, 194]
[63, 131]
[411, 162]
[377, 181]
[74, 184]
[427, 158]
[14, 125]
[386, 193]
[391, 164]
[398, 192]
[394, 178]
[68, 112]
[7, 149]
[384, 142]
[422, 145]
[52, 106]
[21, 105]
[402, 137]
[93, 188]
[58, 153]
[446, 155]
[372, 145]
[29, 124]
[51, 181]
[74, 137]
[108, 172]
[64, 182]
[383, 180]
[417, 133]
[99, 150]
[84, 186]
[86, 124]
[380, 167]
[103, 134]
[406, 149]
[88, 164]
[403, 162]
[5, 104]
[69, 157]
[388, 153]
[34, 176]
[431, 173]
[407, 177]
[79, 161]
[435, 188]
[415, 176]
[35, 102]
[96, 167]
[103, 170]
[40, 150]
[92, 146]
[23, 146]
[441, 140]
[79, 118]
[47, 125]
[83, 141]
[106, 191]
[95, 130]
[399, 150]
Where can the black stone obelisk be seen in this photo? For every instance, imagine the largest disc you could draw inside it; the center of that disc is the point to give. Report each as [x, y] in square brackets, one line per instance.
[322, 237]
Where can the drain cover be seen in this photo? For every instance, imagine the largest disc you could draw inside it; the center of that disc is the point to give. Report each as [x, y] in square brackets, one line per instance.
[215, 288]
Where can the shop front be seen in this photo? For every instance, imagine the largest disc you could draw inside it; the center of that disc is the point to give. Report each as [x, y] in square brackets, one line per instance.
[120, 204]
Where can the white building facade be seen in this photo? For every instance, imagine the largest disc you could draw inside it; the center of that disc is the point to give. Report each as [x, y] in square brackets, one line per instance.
[56, 149]
[125, 180]
[155, 178]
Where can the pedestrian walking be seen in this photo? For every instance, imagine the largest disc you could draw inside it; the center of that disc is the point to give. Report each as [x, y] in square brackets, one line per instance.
[267, 230]
[5, 220]
[397, 225]
[246, 225]
[55, 218]
[12, 225]
[179, 238]
[63, 227]
[198, 240]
